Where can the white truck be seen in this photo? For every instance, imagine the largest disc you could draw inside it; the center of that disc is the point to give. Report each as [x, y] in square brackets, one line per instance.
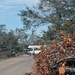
[34, 51]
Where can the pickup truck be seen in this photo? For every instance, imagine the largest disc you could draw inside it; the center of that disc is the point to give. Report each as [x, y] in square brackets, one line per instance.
[34, 51]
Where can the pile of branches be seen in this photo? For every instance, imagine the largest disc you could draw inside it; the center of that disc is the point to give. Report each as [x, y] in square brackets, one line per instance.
[56, 51]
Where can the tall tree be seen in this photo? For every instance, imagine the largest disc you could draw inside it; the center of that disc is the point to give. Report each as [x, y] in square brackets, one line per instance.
[3, 37]
[53, 12]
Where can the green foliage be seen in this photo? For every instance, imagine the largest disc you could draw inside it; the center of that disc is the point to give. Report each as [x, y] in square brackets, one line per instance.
[9, 41]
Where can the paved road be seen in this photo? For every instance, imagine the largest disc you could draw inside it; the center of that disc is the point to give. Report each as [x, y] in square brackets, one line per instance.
[16, 66]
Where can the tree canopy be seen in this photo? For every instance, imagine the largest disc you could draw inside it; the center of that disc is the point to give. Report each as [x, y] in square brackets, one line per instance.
[58, 15]
[53, 12]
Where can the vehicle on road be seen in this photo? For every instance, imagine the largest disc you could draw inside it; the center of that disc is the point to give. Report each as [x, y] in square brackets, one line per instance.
[69, 67]
[34, 51]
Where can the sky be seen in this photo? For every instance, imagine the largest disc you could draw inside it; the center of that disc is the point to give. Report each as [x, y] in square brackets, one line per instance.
[9, 10]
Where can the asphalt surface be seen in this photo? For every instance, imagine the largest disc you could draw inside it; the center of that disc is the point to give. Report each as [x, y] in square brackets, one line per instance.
[16, 66]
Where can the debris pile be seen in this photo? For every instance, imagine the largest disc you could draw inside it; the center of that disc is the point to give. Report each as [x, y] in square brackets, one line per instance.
[56, 51]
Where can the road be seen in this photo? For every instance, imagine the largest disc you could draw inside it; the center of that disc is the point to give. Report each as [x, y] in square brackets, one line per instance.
[16, 66]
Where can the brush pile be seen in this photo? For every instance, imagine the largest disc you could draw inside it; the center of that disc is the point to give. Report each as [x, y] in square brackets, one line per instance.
[51, 54]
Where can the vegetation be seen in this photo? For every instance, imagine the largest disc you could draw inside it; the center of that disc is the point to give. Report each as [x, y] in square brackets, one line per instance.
[9, 44]
[58, 14]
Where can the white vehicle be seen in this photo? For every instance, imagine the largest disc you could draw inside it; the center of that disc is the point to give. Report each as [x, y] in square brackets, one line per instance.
[34, 51]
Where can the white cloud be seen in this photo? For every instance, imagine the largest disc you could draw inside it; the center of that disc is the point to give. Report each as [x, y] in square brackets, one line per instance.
[5, 7]
[20, 1]
[15, 4]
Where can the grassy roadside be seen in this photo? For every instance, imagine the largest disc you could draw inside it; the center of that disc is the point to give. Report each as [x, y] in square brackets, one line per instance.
[10, 56]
